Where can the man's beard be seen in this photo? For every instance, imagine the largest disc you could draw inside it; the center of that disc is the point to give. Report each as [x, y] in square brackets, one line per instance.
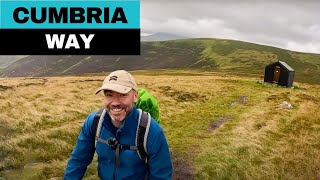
[125, 110]
[118, 118]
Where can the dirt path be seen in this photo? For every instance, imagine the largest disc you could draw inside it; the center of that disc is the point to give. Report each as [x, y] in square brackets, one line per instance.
[182, 168]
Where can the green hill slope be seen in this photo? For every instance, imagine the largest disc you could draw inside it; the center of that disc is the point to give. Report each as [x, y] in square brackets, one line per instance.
[209, 54]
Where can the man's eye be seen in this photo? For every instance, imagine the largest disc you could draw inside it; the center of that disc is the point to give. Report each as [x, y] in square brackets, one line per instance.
[124, 95]
[108, 95]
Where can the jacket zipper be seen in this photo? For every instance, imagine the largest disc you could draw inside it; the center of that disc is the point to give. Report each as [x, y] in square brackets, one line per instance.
[115, 163]
[114, 172]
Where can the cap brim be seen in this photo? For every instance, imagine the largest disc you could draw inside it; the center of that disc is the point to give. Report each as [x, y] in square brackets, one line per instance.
[115, 87]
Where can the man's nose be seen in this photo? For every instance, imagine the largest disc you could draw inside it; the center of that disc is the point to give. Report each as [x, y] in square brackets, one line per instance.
[115, 101]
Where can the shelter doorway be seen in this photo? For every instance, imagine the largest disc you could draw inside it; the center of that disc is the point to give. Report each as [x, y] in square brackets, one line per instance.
[276, 74]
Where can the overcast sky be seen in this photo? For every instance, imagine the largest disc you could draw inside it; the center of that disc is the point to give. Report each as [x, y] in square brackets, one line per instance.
[288, 24]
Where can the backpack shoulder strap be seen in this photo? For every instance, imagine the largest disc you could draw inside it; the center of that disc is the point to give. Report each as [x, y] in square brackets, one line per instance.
[142, 134]
[97, 124]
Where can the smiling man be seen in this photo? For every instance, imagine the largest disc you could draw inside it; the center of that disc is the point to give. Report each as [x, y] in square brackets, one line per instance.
[123, 152]
[119, 105]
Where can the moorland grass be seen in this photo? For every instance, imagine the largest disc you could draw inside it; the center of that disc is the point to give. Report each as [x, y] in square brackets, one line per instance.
[224, 126]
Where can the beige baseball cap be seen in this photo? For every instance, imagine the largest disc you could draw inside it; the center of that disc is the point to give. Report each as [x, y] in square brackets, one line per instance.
[119, 81]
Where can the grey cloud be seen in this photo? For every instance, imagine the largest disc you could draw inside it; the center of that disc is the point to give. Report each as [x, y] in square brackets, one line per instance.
[281, 24]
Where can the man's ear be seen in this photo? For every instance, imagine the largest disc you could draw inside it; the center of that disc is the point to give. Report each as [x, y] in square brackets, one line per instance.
[135, 96]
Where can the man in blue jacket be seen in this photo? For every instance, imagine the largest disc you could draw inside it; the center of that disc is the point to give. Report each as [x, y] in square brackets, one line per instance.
[120, 124]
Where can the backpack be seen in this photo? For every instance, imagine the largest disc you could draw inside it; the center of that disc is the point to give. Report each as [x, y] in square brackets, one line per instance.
[150, 109]
[148, 103]
[141, 135]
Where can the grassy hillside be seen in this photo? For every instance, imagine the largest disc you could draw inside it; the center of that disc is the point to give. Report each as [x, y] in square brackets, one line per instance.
[208, 54]
[5, 61]
[219, 126]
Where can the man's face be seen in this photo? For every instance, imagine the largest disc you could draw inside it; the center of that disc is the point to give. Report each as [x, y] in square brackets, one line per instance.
[119, 105]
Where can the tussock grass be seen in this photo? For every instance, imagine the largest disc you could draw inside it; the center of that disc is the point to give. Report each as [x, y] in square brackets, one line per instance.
[41, 118]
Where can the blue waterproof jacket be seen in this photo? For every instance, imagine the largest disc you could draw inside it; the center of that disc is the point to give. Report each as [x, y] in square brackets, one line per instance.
[131, 166]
